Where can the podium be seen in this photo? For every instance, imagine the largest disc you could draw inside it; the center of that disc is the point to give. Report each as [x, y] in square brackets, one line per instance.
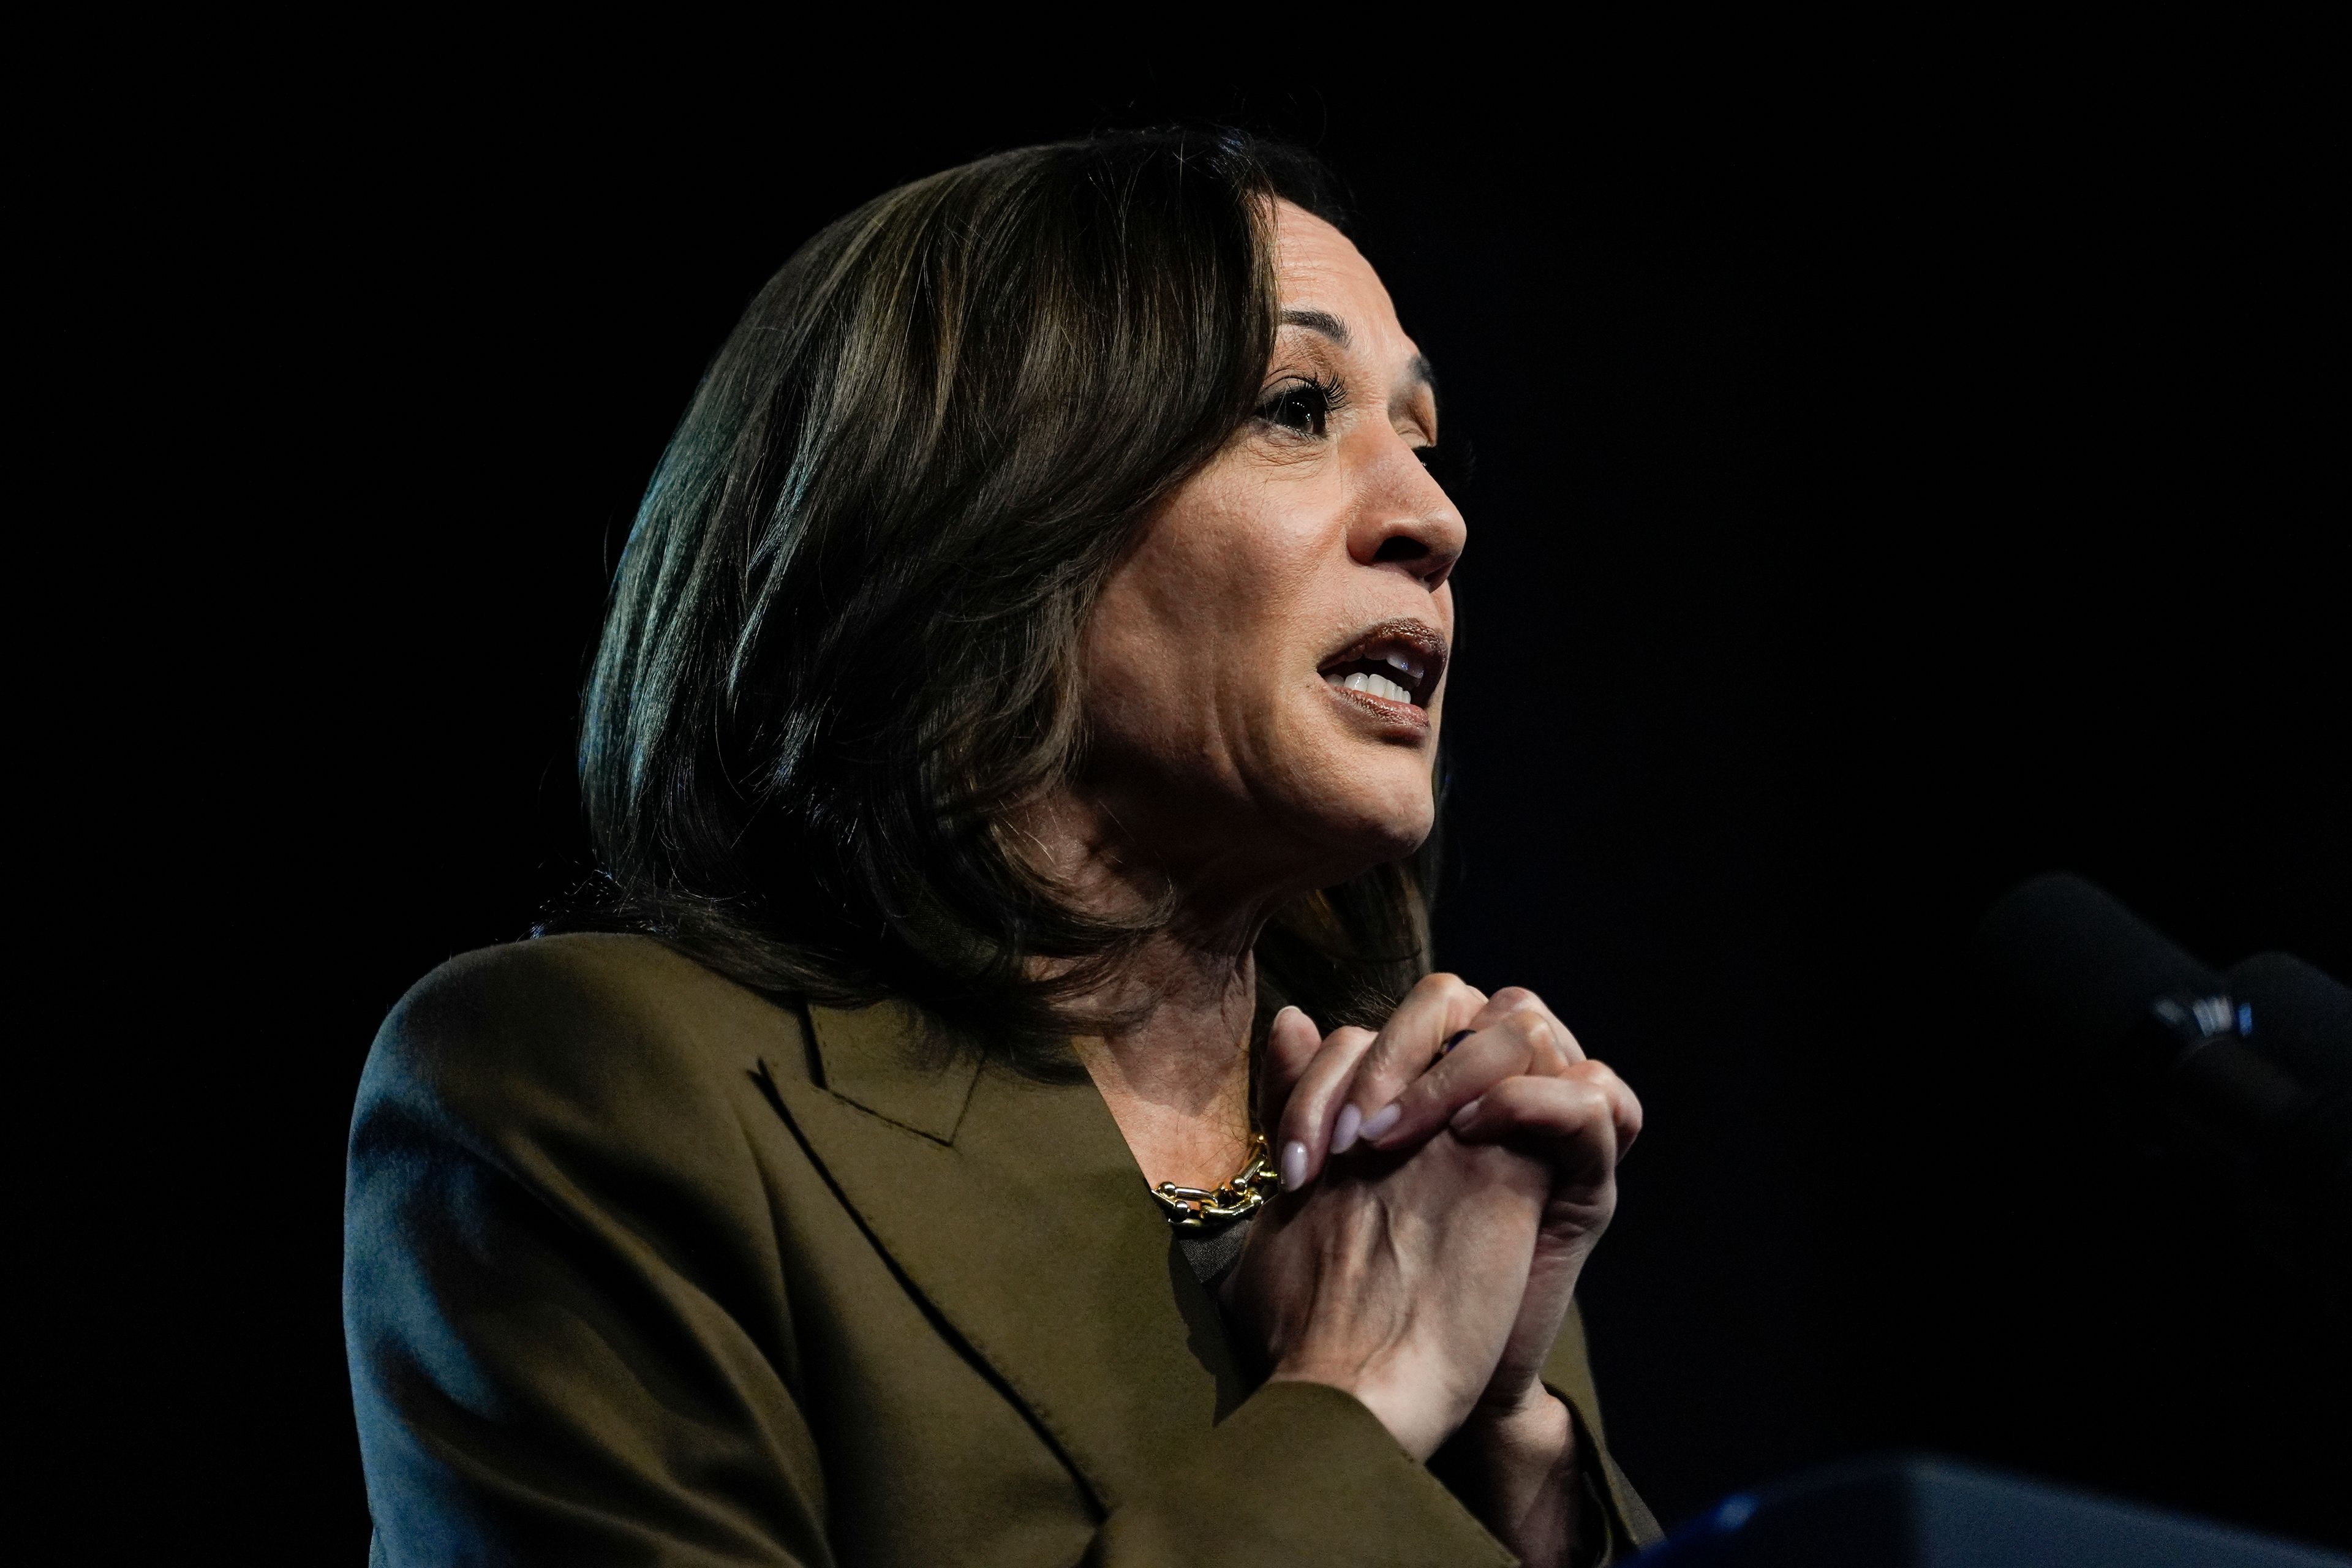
[1915, 1512]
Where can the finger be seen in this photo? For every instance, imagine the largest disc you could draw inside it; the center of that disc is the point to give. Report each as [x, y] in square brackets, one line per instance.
[1589, 1117]
[1516, 999]
[1291, 1041]
[1313, 1108]
[1510, 1048]
[1437, 1007]
[1513, 1034]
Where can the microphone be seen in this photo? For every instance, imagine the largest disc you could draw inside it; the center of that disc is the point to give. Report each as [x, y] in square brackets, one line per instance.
[2304, 1023]
[2254, 1067]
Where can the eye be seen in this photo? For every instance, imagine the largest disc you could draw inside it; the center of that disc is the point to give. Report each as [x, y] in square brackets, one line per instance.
[1302, 407]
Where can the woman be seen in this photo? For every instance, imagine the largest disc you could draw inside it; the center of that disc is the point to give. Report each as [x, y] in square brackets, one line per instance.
[1011, 742]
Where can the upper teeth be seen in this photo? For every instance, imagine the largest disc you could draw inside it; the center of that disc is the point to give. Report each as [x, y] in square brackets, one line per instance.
[1378, 685]
[1399, 661]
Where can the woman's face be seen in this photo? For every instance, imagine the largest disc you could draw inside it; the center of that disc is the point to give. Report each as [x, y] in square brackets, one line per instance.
[1264, 674]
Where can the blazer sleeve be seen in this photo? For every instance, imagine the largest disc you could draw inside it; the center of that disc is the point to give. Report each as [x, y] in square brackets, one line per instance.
[1568, 1373]
[557, 1246]
[1302, 1473]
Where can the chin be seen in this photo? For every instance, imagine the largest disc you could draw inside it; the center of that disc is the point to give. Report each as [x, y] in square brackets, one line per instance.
[1378, 825]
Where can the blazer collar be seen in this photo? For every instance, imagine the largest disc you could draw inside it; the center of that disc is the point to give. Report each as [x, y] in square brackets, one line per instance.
[1016, 1210]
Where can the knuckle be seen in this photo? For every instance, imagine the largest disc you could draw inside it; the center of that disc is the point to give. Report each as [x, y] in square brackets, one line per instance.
[1544, 1034]
[1447, 986]
[1576, 1108]
[1529, 1032]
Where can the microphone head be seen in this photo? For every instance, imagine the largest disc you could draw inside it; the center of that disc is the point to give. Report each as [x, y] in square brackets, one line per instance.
[2302, 1018]
[2064, 958]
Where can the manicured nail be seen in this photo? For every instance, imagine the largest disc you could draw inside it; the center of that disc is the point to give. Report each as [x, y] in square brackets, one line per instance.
[1293, 1165]
[1463, 1117]
[1343, 1136]
[1381, 1121]
[1278, 1018]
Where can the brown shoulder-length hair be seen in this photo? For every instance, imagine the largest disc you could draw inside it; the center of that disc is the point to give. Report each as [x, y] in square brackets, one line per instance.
[843, 641]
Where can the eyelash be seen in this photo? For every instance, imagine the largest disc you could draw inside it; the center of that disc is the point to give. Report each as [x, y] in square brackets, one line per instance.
[1325, 398]
[1320, 396]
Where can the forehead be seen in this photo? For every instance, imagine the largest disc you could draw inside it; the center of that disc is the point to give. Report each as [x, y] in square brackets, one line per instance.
[1317, 268]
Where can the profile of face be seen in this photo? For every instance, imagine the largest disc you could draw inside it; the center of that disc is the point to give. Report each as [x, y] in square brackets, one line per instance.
[1263, 675]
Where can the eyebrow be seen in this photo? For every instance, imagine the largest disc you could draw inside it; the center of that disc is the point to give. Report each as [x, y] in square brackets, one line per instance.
[1330, 326]
[1322, 321]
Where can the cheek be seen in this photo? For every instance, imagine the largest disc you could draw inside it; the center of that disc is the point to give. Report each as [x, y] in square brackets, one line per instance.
[1127, 693]
[1211, 609]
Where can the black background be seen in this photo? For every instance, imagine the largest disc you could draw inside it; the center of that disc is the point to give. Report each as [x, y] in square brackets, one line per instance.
[1879, 497]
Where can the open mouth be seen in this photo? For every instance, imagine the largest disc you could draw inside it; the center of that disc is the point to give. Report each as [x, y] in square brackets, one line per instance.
[1396, 661]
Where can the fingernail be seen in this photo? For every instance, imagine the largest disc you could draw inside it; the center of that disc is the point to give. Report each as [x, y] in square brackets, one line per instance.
[1343, 1136]
[1381, 1121]
[1293, 1165]
[1278, 1018]
[1461, 1118]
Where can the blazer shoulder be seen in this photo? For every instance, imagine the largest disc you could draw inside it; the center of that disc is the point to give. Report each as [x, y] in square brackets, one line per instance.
[566, 1298]
[623, 1023]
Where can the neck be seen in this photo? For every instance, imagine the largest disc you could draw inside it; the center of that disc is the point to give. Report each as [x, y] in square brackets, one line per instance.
[1175, 1073]
[1173, 1068]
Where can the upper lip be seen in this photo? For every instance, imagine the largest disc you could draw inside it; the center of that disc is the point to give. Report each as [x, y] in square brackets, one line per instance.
[1420, 646]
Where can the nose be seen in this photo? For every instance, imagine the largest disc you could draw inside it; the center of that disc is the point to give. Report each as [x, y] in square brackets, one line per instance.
[1404, 520]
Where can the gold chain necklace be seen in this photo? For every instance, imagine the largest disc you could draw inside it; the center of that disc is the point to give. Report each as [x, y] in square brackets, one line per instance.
[1197, 1208]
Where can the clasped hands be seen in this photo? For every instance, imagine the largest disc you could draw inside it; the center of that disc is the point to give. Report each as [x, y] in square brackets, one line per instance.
[1437, 1208]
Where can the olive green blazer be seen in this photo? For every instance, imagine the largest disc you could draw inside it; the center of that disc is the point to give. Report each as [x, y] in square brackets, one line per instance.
[643, 1268]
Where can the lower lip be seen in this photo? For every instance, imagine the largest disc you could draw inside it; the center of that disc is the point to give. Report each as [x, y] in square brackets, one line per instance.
[1403, 716]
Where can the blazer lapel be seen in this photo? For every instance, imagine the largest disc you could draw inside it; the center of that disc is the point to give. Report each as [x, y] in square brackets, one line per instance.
[1016, 1211]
